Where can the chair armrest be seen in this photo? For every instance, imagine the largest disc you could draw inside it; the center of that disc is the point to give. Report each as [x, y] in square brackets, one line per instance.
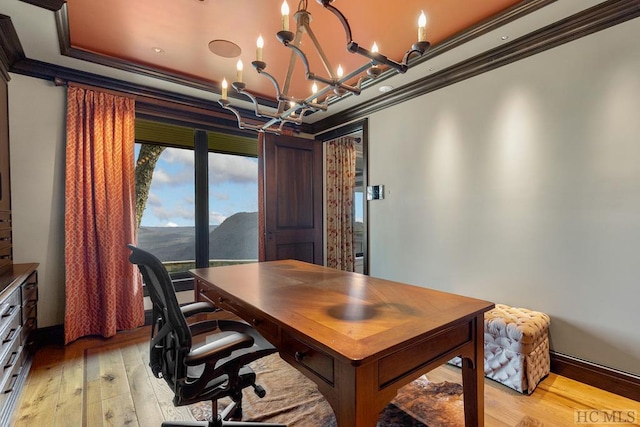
[203, 327]
[218, 349]
[193, 308]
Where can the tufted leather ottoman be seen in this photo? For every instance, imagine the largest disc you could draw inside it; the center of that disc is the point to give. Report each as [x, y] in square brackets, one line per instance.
[516, 347]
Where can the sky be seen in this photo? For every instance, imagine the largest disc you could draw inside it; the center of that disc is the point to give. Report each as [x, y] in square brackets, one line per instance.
[233, 187]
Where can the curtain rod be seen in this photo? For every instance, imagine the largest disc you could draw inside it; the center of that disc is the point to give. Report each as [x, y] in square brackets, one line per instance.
[59, 81]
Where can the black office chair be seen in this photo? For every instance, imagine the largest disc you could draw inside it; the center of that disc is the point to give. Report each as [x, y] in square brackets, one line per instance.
[211, 371]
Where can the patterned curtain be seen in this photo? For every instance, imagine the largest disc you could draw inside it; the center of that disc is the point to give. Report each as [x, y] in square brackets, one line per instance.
[103, 290]
[341, 178]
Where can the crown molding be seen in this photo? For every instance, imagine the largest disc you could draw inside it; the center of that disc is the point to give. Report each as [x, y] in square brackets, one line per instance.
[589, 21]
[53, 5]
[10, 48]
[597, 18]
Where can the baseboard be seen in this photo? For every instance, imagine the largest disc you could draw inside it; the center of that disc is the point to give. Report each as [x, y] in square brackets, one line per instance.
[54, 335]
[618, 382]
[51, 335]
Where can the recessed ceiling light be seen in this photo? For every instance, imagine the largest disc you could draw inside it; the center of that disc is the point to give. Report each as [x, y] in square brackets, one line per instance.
[385, 88]
[504, 38]
[225, 48]
[431, 69]
[158, 50]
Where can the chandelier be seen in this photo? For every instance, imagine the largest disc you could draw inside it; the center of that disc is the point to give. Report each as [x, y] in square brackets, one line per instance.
[291, 109]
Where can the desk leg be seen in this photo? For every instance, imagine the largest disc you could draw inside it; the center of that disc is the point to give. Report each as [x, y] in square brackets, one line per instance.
[357, 403]
[473, 379]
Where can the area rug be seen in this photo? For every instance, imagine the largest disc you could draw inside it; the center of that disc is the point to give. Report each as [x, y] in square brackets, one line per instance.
[294, 400]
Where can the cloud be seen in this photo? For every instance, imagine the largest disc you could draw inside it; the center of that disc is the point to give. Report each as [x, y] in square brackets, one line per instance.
[179, 177]
[229, 168]
[154, 200]
[178, 155]
[171, 224]
[178, 212]
[219, 195]
[216, 218]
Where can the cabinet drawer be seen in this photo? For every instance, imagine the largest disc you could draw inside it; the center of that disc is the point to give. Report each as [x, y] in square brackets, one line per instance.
[11, 358]
[5, 220]
[28, 326]
[30, 288]
[306, 355]
[10, 333]
[29, 311]
[8, 309]
[5, 250]
[11, 383]
[5, 235]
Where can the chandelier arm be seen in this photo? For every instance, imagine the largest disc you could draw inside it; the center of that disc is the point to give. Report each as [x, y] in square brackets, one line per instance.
[273, 80]
[241, 125]
[323, 57]
[343, 20]
[336, 84]
[418, 48]
[401, 67]
[302, 56]
[378, 58]
[292, 61]
[240, 87]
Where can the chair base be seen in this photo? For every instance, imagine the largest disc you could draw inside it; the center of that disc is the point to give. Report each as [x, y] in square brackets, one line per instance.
[218, 423]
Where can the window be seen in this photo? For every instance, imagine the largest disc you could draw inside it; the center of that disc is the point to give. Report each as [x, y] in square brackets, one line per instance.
[233, 209]
[167, 201]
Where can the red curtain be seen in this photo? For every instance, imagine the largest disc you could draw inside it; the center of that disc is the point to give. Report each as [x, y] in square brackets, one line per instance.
[341, 179]
[103, 290]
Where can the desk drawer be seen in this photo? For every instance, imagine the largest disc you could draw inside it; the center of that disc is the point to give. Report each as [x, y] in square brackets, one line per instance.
[315, 360]
[267, 329]
[401, 363]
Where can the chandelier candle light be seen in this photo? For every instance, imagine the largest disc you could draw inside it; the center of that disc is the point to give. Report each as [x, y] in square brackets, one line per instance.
[291, 109]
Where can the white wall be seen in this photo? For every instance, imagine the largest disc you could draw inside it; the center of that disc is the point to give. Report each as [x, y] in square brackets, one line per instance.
[522, 186]
[37, 112]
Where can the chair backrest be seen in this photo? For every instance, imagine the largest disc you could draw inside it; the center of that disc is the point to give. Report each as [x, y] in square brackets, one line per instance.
[170, 336]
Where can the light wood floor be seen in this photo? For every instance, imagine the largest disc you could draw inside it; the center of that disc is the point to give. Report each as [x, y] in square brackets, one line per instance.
[95, 382]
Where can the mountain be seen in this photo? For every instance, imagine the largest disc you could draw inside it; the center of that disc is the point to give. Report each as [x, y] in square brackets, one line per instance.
[235, 238]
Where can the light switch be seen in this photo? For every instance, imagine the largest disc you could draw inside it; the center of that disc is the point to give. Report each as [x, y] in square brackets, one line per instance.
[375, 192]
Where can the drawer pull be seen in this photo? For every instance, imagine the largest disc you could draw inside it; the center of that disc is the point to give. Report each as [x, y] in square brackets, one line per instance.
[10, 336]
[9, 312]
[12, 360]
[299, 355]
[221, 300]
[255, 322]
[14, 380]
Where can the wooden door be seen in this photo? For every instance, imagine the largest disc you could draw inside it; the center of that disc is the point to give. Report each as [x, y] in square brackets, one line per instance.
[293, 184]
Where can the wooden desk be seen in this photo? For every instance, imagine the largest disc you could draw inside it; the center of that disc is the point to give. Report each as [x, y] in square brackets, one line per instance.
[357, 337]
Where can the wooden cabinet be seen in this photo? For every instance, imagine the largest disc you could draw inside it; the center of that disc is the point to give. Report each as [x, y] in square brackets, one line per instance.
[18, 321]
